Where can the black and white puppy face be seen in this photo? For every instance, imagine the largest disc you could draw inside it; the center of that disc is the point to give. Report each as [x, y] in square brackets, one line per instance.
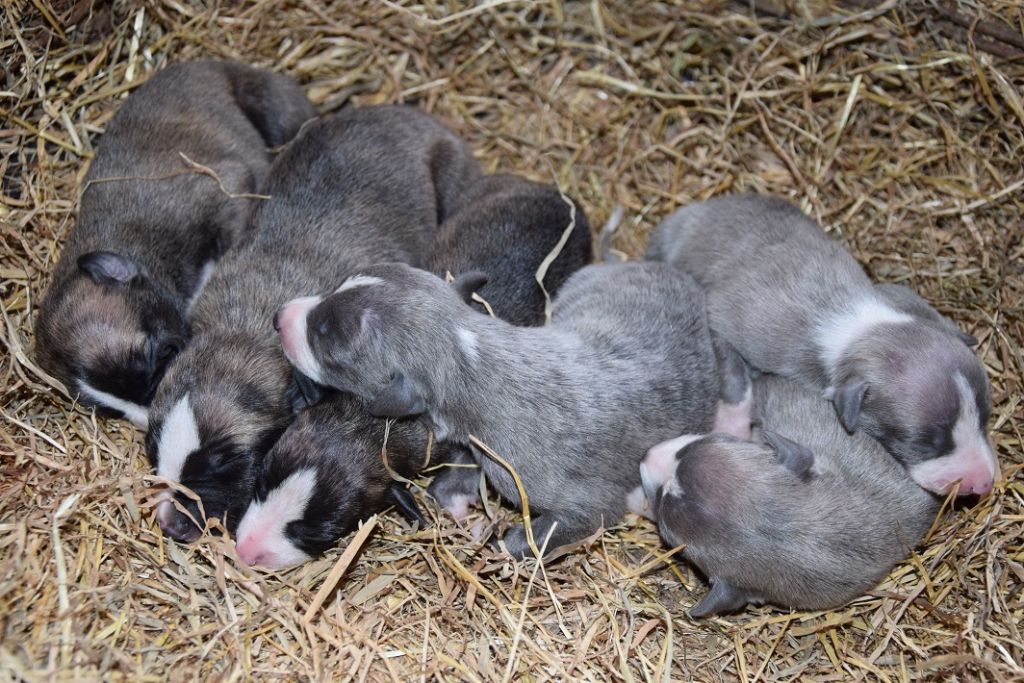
[221, 406]
[385, 335]
[109, 335]
[925, 396]
[324, 476]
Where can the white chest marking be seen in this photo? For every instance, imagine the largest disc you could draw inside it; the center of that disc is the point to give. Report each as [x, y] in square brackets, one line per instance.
[133, 412]
[178, 437]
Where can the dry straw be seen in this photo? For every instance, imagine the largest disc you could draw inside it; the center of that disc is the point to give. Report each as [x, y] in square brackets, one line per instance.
[899, 125]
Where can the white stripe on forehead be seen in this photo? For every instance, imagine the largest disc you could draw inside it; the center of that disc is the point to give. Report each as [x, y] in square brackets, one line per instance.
[967, 431]
[179, 436]
[359, 281]
[262, 529]
[835, 334]
[133, 412]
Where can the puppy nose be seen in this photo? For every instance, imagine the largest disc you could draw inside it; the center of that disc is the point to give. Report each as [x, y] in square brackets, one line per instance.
[251, 553]
[176, 525]
[980, 486]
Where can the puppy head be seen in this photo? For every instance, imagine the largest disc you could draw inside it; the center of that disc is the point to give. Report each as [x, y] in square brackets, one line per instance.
[386, 335]
[222, 405]
[324, 476]
[108, 332]
[725, 501]
[925, 396]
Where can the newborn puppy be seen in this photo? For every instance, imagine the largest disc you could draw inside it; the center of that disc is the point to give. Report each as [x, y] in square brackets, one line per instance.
[326, 473]
[795, 303]
[151, 226]
[811, 517]
[510, 226]
[364, 185]
[571, 406]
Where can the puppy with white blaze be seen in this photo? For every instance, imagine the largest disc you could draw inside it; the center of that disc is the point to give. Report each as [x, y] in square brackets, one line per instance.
[805, 516]
[150, 226]
[507, 228]
[626, 362]
[351, 189]
[794, 302]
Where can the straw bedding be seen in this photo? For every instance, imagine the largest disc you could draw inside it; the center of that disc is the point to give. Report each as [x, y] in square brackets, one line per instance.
[899, 126]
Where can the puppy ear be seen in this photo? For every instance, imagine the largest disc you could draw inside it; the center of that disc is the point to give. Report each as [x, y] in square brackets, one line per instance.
[400, 398]
[400, 497]
[108, 268]
[302, 392]
[794, 457]
[969, 339]
[847, 399]
[721, 598]
[467, 283]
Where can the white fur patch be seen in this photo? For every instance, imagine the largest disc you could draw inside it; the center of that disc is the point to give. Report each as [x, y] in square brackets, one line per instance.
[637, 503]
[133, 412]
[469, 343]
[672, 488]
[359, 281]
[204, 277]
[292, 320]
[662, 458]
[458, 505]
[178, 437]
[971, 462]
[734, 418]
[836, 334]
[261, 533]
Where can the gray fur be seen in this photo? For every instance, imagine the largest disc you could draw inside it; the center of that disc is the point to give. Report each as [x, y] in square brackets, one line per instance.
[507, 228]
[774, 279]
[765, 528]
[354, 188]
[905, 299]
[117, 307]
[626, 363]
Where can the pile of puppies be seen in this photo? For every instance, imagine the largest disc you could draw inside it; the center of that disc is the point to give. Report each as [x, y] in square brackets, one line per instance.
[264, 292]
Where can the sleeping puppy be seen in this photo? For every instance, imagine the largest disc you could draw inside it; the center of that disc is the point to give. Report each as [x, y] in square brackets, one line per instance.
[327, 472]
[364, 185]
[151, 227]
[805, 516]
[792, 301]
[571, 406]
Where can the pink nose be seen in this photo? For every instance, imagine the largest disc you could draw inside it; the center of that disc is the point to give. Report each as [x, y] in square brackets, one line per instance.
[976, 482]
[250, 553]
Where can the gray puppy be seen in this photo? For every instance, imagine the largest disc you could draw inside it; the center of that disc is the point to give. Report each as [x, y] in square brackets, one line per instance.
[364, 185]
[334, 449]
[572, 406]
[150, 226]
[795, 303]
[810, 517]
